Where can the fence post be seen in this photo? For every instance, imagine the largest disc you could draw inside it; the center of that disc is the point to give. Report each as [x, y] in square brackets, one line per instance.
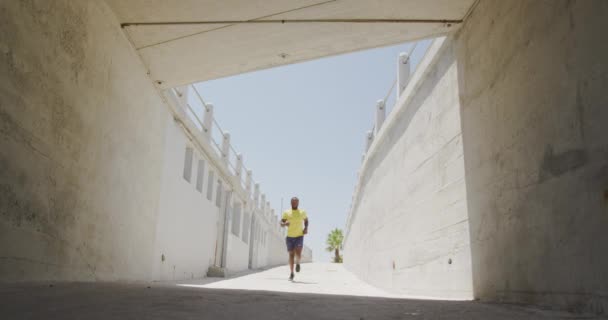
[239, 165]
[403, 73]
[267, 211]
[225, 147]
[208, 121]
[248, 182]
[380, 116]
[256, 195]
[369, 139]
[182, 95]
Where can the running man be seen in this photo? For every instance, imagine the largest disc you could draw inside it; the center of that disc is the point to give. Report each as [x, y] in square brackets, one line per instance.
[293, 220]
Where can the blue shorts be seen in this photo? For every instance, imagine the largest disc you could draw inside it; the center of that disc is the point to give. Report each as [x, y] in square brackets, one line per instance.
[293, 243]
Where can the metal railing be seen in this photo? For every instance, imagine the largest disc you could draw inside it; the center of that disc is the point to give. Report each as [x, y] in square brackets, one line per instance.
[201, 114]
[371, 135]
[197, 109]
[390, 91]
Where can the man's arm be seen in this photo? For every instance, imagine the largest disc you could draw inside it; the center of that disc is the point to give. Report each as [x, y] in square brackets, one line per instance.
[284, 223]
[305, 226]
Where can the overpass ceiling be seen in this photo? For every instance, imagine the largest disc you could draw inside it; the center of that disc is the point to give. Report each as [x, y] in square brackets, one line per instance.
[186, 41]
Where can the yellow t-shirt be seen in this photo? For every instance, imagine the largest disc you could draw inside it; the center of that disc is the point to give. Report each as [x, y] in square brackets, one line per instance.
[296, 222]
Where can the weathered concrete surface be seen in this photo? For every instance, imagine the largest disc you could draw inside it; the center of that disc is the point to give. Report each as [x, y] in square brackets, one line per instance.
[184, 53]
[166, 301]
[533, 86]
[531, 80]
[81, 145]
[408, 231]
[92, 158]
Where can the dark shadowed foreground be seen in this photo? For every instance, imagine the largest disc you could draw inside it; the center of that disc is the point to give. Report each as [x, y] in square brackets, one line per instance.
[243, 298]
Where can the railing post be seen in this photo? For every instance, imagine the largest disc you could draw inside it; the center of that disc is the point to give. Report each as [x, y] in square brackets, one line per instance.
[380, 115]
[403, 73]
[182, 95]
[256, 195]
[225, 147]
[248, 180]
[208, 121]
[239, 165]
[267, 211]
[369, 139]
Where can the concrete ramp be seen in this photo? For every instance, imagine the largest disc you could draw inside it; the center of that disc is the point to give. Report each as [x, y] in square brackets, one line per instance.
[187, 41]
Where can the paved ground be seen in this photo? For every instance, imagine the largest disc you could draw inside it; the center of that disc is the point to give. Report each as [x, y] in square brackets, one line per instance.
[321, 291]
[324, 278]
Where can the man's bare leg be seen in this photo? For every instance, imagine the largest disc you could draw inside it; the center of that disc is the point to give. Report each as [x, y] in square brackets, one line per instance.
[298, 256]
[291, 258]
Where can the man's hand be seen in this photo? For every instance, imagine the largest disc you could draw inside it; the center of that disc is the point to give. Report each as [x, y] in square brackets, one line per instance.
[284, 223]
[305, 230]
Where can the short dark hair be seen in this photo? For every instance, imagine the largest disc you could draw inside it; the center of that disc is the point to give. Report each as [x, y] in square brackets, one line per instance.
[295, 198]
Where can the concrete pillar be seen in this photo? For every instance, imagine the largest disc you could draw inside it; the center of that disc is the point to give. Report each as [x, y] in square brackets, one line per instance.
[403, 73]
[208, 121]
[248, 180]
[239, 165]
[225, 147]
[380, 115]
[369, 139]
[263, 202]
[267, 211]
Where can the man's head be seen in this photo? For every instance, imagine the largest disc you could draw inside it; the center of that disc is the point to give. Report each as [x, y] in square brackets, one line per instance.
[295, 202]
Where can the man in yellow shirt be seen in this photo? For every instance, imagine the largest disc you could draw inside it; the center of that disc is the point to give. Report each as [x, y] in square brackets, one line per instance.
[293, 220]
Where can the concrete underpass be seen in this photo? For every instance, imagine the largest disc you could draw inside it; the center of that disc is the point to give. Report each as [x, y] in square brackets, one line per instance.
[482, 195]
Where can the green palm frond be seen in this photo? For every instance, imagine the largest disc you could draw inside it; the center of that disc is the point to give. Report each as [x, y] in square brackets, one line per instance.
[334, 240]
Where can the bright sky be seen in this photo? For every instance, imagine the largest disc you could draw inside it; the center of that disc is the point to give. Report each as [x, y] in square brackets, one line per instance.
[301, 128]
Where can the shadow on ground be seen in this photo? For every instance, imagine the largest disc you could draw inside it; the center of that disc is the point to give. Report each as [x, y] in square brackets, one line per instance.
[164, 301]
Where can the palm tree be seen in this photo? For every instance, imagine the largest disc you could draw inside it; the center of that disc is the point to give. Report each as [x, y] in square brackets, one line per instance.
[334, 243]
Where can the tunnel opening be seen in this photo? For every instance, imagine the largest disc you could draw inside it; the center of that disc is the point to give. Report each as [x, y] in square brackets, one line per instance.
[487, 181]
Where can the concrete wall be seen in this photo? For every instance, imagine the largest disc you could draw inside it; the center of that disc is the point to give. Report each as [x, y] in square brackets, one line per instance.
[533, 85]
[92, 155]
[252, 237]
[81, 140]
[409, 227]
[529, 79]
[238, 254]
[187, 221]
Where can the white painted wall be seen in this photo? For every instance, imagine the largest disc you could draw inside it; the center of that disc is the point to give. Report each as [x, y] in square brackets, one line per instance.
[187, 220]
[238, 254]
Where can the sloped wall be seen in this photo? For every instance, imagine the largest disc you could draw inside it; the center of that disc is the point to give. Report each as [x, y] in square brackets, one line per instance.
[409, 229]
